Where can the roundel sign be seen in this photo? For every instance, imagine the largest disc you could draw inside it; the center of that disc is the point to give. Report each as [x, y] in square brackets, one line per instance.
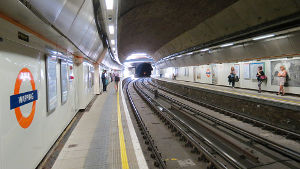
[17, 100]
[207, 72]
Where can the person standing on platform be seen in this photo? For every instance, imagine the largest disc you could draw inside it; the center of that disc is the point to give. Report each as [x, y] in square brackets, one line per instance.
[260, 77]
[231, 77]
[117, 79]
[111, 77]
[104, 80]
[281, 80]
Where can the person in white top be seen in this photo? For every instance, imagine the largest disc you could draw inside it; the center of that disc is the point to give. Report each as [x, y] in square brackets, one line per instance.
[281, 80]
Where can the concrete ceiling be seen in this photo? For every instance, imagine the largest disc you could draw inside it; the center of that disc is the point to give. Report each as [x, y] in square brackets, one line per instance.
[163, 27]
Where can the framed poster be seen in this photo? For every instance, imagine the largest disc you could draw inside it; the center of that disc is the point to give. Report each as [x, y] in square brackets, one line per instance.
[292, 67]
[186, 71]
[253, 69]
[198, 70]
[246, 72]
[51, 62]
[214, 73]
[176, 71]
[64, 81]
[237, 70]
[91, 76]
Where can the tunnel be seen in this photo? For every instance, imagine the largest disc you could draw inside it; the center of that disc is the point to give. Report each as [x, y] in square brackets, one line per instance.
[144, 84]
[143, 70]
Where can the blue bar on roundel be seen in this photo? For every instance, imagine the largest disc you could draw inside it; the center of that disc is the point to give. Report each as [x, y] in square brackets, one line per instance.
[22, 99]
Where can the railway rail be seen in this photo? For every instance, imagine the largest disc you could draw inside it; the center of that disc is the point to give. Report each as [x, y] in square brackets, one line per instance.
[274, 146]
[181, 130]
[244, 118]
[209, 143]
[159, 162]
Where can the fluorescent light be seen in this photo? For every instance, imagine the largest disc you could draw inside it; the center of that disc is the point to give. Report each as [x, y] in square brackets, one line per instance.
[227, 44]
[139, 54]
[112, 42]
[109, 4]
[111, 29]
[263, 37]
[203, 50]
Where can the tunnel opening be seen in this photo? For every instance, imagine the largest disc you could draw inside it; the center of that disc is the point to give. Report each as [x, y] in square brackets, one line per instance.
[143, 70]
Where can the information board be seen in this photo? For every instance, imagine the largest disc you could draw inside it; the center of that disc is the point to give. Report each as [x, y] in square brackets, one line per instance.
[51, 62]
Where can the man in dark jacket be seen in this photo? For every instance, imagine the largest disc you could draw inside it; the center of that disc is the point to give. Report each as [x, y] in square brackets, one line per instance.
[103, 79]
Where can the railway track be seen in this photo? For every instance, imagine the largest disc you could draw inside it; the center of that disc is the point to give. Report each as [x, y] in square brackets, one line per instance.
[266, 126]
[281, 149]
[159, 162]
[211, 144]
[181, 131]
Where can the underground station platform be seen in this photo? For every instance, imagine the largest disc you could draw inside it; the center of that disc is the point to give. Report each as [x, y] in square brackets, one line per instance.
[104, 137]
[124, 129]
[149, 84]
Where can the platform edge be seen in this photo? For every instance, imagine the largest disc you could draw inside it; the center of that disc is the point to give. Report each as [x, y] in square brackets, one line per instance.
[135, 142]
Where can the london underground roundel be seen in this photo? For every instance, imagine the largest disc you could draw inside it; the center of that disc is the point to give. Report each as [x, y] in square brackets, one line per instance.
[17, 100]
[207, 72]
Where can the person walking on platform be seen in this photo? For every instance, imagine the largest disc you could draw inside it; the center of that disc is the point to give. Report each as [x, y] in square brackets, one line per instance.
[104, 80]
[231, 77]
[281, 80]
[117, 79]
[260, 77]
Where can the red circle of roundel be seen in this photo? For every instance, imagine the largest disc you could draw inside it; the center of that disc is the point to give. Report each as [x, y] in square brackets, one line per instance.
[24, 121]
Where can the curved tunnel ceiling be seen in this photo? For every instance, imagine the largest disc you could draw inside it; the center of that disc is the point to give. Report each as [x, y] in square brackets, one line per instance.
[161, 28]
[146, 25]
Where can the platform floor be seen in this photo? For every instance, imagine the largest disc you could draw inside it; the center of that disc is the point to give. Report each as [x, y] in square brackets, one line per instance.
[287, 99]
[104, 138]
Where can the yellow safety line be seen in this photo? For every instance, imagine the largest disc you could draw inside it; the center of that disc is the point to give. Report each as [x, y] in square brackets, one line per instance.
[121, 137]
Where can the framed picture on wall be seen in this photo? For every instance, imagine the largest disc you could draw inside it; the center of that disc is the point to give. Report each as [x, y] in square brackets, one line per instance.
[51, 62]
[292, 66]
[254, 67]
[186, 71]
[237, 70]
[64, 81]
[246, 72]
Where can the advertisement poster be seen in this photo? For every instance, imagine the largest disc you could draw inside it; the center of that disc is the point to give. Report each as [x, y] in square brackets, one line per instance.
[90, 76]
[237, 70]
[246, 72]
[293, 70]
[254, 67]
[64, 81]
[186, 71]
[214, 71]
[51, 83]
